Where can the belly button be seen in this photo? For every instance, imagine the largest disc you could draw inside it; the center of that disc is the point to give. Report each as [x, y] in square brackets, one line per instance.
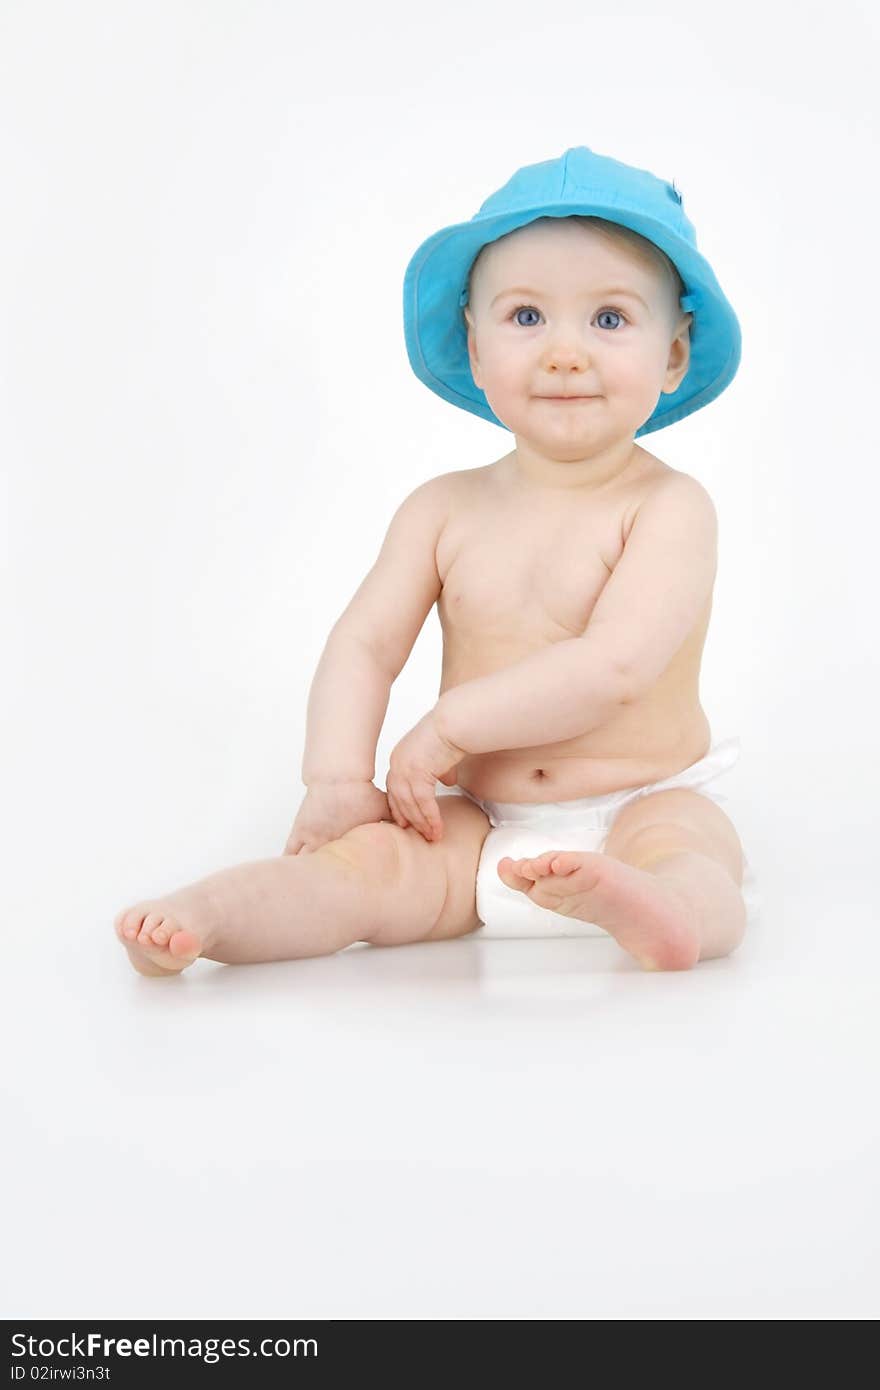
[539, 772]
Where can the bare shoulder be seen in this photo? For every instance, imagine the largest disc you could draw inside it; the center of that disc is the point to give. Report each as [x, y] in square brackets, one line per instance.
[666, 494]
[446, 494]
[449, 486]
[429, 503]
[463, 479]
[662, 480]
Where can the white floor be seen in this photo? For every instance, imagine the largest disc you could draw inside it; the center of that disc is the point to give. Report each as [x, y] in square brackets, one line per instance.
[471, 1129]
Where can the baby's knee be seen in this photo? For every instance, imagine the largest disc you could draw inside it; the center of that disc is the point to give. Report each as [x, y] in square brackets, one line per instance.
[373, 848]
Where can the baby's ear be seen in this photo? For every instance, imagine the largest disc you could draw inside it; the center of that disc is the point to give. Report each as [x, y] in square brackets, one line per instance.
[683, 329]
[472, 346]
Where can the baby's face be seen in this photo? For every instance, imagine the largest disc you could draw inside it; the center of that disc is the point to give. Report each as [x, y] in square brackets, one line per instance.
[556, 309]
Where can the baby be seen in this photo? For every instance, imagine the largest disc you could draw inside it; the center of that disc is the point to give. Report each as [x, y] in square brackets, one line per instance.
[573, 578]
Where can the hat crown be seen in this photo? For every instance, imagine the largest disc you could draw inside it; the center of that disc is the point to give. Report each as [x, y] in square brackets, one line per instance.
[581, 176]
[536, 183]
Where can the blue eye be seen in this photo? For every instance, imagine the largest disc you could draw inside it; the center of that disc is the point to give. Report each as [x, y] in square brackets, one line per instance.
[530, 309]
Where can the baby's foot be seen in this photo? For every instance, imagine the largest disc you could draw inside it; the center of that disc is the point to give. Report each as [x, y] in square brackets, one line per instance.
[650, 916]
[165, 935]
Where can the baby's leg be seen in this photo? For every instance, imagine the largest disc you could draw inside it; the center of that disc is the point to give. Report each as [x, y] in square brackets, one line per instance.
[667, 886]
[686, 841]
[377, 883]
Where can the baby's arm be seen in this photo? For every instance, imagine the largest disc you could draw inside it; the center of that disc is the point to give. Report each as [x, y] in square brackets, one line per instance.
[347, 704]
[643, 615]
[369, 645]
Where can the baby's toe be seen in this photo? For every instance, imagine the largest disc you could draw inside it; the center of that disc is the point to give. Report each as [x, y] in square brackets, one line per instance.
[538, 867]
[151, 923]
[184, 943]
[509, 873]
[523, 869]
[562, 863]
[128, 923]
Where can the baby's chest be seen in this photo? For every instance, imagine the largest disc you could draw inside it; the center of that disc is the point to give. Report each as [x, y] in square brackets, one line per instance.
[512, 582]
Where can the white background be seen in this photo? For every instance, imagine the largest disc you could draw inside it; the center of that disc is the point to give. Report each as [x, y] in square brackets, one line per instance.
[207, 419]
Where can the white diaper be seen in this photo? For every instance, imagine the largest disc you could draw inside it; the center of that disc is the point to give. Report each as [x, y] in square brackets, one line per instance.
[526, 829]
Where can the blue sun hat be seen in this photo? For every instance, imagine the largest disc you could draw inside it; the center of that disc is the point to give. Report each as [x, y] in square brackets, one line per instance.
[435, 286]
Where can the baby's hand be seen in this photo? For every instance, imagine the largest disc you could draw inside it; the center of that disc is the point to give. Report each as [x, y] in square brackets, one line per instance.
[330, 809]
[421, 758]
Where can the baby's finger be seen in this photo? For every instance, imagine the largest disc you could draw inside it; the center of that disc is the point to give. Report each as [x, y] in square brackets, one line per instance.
[430, 813]
[412, 810]
[399, 818]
